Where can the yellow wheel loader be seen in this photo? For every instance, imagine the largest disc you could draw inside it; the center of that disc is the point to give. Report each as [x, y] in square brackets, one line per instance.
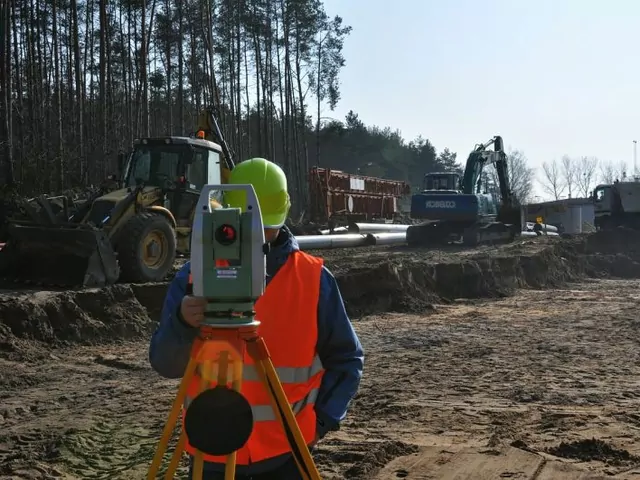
[131, 233]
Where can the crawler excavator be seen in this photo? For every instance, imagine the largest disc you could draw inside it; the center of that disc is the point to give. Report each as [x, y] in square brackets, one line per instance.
[454, 209]
[131, 233]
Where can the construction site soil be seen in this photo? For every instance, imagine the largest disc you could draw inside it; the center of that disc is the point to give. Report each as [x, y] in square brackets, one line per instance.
[512, 361]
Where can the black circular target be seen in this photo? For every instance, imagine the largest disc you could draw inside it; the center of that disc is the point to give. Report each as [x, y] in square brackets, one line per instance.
[218, 421]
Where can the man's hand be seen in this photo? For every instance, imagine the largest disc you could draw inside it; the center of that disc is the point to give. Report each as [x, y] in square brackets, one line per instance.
[192, 310]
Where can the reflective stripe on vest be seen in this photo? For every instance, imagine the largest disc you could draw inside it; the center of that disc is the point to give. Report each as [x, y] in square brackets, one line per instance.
[265, 413]
[285, 374]
[288, 314]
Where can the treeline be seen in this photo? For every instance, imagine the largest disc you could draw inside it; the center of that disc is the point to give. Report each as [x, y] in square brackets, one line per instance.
[80, 79]
[576, 177]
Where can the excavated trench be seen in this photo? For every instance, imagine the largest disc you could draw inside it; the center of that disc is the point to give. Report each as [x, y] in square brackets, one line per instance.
[371, 280]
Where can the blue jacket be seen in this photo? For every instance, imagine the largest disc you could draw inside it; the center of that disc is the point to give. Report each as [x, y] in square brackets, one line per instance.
[338, 346]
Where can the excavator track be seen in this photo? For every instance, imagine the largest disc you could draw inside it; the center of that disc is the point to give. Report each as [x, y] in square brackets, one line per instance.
[439, 233]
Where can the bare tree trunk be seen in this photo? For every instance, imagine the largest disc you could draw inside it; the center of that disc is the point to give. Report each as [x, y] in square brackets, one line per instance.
[169, 73]
[259, 81]
[180, 68]
[5, 95]
[146, 126]
[238, 64]
[304, 167]
[79, 85]
[247, 98]
[318, 98]
[58, 88]
[103, 77]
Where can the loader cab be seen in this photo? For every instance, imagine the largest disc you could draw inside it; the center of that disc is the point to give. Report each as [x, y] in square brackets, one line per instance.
[173, 163]
[179, 166]
[442, 182]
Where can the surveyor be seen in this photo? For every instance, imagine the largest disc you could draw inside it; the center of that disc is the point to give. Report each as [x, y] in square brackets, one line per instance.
[301, 313]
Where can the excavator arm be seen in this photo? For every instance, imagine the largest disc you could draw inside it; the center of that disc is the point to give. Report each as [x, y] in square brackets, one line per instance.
[476, 163]
[502, 167]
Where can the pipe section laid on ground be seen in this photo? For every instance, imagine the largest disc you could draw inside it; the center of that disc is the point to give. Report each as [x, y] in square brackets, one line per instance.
[526, 233]
[377, 228]
[307, 242]
[326, 231]
[388, 238]
[350, 240]
[545, 227]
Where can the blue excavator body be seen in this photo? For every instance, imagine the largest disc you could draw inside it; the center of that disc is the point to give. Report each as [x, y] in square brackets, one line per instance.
[453, 208]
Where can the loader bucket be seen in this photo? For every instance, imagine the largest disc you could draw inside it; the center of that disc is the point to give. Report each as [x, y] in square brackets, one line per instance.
[63, 255]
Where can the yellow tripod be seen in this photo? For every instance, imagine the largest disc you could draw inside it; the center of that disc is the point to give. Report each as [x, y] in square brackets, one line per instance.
[218, 421]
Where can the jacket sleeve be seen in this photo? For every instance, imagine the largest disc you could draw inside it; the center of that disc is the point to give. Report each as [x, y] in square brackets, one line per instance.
[341, 354]
[171, 342]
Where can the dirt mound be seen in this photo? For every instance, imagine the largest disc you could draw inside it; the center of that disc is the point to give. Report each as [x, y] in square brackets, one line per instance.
[373, 280]
[412, 284]
[593, 449]
[413, 280]
[88, 316]
[376, 457]
[363, 460]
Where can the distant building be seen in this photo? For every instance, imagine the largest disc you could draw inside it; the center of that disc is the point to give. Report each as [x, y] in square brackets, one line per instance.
[571, 215]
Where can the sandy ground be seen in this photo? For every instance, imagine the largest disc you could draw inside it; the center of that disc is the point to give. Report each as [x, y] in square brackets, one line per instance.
[503, 388]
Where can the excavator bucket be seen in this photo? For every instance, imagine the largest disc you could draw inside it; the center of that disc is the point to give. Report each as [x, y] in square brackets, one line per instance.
[62, 255]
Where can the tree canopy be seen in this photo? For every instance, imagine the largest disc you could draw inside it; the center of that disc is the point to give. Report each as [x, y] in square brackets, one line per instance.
[83, 78]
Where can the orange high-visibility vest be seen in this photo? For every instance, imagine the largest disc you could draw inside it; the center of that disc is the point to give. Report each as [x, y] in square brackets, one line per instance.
[288, 312]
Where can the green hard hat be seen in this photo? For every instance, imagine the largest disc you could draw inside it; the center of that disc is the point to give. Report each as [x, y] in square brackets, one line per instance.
[270, 185]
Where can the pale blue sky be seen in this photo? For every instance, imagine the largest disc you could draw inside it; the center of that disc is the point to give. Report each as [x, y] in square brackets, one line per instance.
[552, 77]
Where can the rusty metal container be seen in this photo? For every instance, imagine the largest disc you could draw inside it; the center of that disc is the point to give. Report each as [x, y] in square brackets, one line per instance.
[339, 196]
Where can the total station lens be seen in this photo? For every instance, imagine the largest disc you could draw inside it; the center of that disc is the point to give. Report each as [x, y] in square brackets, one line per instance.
[225, 234]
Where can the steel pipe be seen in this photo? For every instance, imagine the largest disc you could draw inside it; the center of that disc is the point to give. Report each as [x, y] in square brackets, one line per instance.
[527, 233]
[545, 227]
[326, 231]
[377, 228]
[388, 238]
[307, 242]
[350, 240]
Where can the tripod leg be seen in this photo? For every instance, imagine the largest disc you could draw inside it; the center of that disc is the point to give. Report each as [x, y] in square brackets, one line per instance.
[198, 462]
[173, 417]
[289, 419]
[230, 467]
[175, 458]
[198, 468]
[277, 412]
[258, 351]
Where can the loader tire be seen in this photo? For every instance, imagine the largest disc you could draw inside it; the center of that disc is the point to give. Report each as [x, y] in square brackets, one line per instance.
[146, 249]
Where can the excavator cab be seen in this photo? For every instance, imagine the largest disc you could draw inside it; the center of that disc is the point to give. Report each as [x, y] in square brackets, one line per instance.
[442, 182]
